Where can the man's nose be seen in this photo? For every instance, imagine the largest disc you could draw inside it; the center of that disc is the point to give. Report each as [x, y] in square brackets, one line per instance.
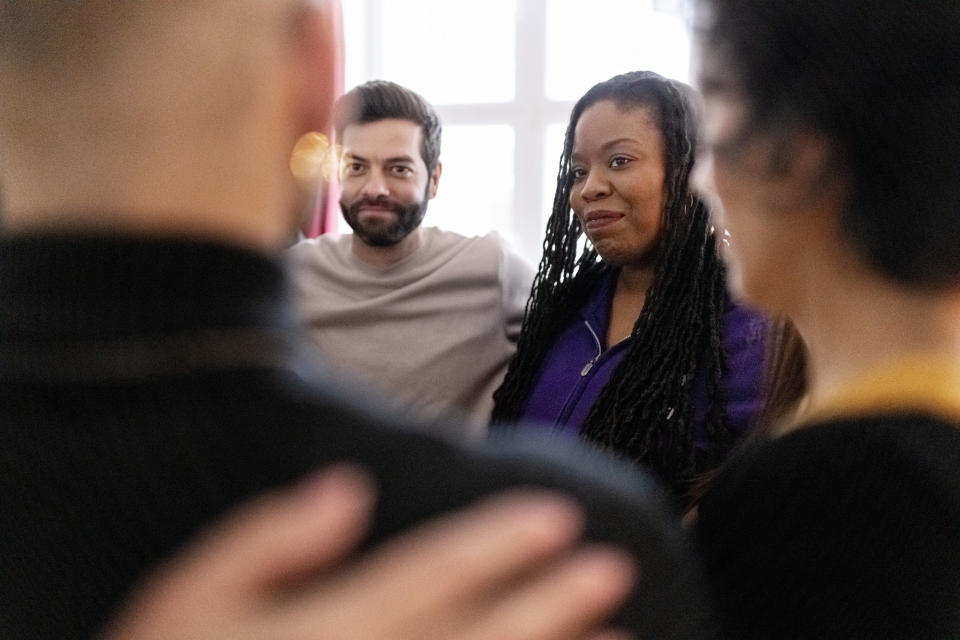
[374, 186]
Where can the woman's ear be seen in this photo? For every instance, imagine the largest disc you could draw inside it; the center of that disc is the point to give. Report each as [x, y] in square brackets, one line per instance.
[804, 173]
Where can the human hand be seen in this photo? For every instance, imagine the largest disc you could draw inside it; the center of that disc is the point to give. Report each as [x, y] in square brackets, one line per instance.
[504, 568]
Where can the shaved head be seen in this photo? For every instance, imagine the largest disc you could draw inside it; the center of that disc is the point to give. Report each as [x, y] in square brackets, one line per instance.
[46, 36]
[63, 49]
[165, 104]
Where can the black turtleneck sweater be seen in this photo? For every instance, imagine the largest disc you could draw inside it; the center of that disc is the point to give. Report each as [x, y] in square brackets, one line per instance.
[148, 386]
[848, 529]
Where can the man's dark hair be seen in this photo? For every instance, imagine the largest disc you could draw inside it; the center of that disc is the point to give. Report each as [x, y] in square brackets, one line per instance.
[381, 100]
[880, 81]
[646, 409]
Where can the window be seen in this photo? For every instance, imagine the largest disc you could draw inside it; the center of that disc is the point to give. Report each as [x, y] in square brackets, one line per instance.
[503, 75]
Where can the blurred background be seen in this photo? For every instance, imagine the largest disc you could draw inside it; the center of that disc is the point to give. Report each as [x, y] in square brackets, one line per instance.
[503, 75]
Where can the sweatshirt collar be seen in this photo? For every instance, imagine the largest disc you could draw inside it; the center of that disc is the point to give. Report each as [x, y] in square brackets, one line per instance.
[923, 383]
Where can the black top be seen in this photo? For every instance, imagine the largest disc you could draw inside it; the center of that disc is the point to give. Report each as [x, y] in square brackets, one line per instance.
[147, 386]
[846, 529]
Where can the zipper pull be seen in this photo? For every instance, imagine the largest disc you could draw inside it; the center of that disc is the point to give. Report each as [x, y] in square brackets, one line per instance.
[587, 367]
[596, 340]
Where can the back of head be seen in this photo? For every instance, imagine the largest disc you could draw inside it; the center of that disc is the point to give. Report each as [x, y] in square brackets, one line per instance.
[159, 117]
[56, 37]
[72, 53]
[880, 81]
[55, 54]
[383, 100]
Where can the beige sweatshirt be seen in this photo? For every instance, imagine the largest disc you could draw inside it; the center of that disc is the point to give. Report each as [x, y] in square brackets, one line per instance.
[434, 332]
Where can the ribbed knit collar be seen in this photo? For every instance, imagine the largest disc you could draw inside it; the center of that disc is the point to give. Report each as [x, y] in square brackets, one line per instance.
[89, 308]
[99, 287]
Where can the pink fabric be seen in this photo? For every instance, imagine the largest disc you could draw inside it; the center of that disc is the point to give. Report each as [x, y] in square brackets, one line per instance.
[326, 210]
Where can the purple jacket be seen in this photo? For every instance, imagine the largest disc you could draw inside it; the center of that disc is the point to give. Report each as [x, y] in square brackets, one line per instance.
[576, 369]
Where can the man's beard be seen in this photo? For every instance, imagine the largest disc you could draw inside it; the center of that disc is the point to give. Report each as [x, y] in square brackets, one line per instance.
[408, 218]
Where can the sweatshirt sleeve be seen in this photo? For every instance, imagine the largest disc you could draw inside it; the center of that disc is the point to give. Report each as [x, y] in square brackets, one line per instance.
[516, 276]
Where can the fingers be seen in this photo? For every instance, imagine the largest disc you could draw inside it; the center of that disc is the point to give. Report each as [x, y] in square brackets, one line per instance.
[286, 535]
[501, 568]
[489, 543]
[233, 570]
[567, 601]
[451, 564]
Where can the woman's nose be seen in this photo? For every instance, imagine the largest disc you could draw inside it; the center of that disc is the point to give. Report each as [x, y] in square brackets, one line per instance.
[595, 186]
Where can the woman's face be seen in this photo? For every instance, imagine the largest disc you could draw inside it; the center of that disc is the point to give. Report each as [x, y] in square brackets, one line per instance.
[618, 182]
[762, 239]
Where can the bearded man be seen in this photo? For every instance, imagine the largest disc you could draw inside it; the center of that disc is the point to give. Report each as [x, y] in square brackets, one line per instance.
[427, 317]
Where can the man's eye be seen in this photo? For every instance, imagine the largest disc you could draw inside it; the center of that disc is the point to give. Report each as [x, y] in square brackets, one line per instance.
[402, 171]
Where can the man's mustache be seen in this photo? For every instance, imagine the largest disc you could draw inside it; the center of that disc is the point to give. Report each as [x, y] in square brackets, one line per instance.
[381, 201]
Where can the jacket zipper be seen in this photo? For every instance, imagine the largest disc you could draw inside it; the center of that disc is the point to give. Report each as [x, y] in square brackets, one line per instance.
[593, 361]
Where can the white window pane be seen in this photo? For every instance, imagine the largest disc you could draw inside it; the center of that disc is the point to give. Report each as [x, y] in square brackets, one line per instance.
[451, 52]
[552, 148]
[475, 193]
[355, 39]
[590, 42]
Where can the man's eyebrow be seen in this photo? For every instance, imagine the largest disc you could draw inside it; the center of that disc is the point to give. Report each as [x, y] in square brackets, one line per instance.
[404, 158]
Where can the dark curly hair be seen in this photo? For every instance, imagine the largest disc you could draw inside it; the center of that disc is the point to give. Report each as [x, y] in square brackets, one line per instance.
[382, 100]
[879, 81]
[646, 410]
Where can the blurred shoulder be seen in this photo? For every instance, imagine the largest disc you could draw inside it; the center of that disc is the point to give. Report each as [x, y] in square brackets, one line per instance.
[317, 249]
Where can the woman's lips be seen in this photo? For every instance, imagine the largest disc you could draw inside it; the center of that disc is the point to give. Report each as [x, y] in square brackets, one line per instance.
[599, 219]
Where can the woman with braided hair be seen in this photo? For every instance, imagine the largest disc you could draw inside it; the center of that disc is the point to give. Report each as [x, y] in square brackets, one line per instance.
[630, 339]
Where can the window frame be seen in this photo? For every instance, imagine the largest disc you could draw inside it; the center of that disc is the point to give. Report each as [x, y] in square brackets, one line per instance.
[530, 113]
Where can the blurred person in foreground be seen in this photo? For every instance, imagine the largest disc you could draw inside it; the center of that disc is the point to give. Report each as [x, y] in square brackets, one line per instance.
[151, 377]
[831, 153]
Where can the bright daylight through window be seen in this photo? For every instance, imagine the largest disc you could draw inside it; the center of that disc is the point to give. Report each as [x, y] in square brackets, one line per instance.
[503, 75]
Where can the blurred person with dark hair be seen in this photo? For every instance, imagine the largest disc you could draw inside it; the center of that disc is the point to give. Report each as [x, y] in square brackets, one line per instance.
[832, 155]
[152, 377]
[427, 316]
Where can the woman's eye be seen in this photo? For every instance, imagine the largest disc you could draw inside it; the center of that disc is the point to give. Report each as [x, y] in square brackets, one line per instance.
[578, 174]
[619, 161]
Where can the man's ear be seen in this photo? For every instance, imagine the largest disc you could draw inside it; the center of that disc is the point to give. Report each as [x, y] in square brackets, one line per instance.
[319, 61]
[435, 179]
